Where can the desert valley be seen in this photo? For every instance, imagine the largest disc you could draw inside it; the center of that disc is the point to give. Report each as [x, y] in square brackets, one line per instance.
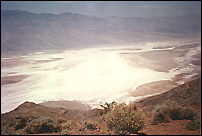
[78, 74]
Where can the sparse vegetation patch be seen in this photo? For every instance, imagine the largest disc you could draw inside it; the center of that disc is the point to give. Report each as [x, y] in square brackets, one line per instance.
[168, 111]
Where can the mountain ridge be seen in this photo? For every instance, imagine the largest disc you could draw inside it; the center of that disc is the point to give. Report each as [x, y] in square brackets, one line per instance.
[26, 31]
[19, 10]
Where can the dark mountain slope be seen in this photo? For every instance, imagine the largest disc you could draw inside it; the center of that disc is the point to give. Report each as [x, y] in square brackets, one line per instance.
[185, 94]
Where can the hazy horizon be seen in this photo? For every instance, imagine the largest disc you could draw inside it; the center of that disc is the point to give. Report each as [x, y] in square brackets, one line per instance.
[108, 8]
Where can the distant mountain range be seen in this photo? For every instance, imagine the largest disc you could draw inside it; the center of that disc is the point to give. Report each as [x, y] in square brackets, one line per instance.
[25, 31]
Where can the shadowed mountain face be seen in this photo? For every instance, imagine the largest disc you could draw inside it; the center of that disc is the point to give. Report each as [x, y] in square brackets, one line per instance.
[24, 31]
[185, 94]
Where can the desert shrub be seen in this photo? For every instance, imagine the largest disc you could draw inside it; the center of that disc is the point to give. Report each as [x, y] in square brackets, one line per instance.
[21, 122]
[28, 125]
[42, 125]
[124, 119]
[65, 131]
[189, 113]
[11, 131]
[161, 114]
[90, 125]
[173, 111]
[98, 112]
[193, 125]
[176, 112]
[73, 123]
[107, 107]
[61, 120]
[4, 129]
[11, 124]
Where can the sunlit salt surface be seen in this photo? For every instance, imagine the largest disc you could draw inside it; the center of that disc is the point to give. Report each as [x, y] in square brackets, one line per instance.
[89, 75]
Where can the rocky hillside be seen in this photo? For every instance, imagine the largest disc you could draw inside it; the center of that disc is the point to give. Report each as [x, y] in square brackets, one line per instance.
[185, 94]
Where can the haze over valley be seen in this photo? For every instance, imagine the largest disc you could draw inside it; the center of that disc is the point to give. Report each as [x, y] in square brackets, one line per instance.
[95, 75]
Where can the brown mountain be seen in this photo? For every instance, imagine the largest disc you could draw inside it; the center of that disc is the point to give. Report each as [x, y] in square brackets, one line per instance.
[52, 109]
[21, 109]
[66, 104]
[186, 94]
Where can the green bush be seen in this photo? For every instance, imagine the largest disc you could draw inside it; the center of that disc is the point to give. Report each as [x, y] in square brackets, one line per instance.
[193, 125]
[173, 111]
[124, 119]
